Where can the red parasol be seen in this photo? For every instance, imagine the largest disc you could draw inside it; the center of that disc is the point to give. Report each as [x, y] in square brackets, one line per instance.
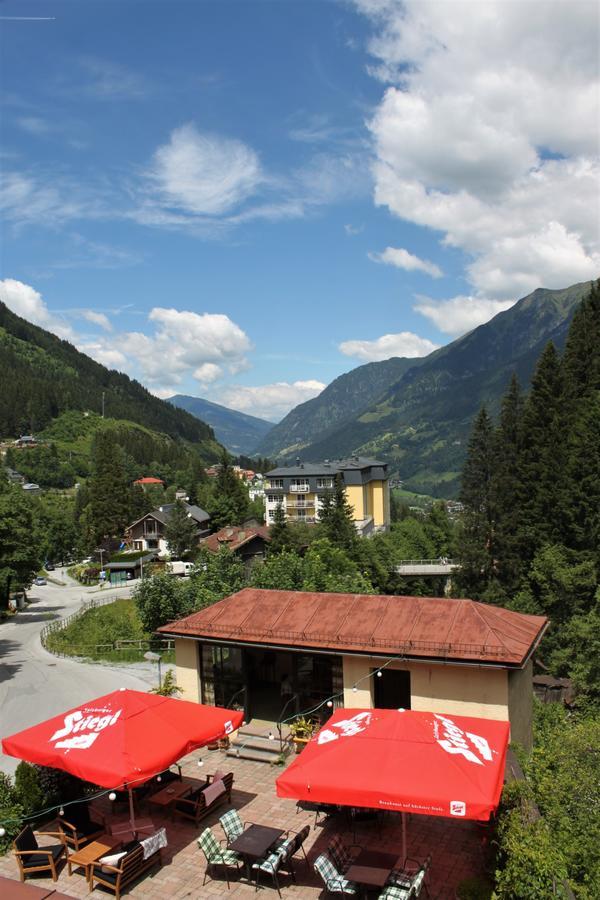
[404, 760]
[122, 739]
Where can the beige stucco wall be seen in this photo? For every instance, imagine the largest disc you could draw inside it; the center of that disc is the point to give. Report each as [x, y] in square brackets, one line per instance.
[378, 504]
[354, 494]
[186, 662]
[466, 691]
[520, 705]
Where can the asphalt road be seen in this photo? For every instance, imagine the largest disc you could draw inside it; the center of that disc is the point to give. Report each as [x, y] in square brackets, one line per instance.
[34, 685]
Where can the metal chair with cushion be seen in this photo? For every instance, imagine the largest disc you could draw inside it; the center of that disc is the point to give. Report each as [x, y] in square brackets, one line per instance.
[271, 864]
[342, 855]
[405, 884]
[32, 858]
[232, 824]
[217, 855]
[335, 883]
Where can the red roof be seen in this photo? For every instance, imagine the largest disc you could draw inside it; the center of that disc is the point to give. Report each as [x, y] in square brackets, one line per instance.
[149, 481]
[235, 537]
[421, 627]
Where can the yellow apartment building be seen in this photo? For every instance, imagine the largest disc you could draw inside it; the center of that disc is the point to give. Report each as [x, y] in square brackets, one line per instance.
[300, 490]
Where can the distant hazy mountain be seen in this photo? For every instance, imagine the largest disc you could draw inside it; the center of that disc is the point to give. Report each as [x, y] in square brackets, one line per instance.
[419, 418]
[239, 432]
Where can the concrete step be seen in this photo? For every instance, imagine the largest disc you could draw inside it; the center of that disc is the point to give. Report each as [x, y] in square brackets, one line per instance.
[254, 753]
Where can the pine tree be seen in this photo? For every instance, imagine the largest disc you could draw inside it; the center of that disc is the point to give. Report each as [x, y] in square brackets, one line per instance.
[180, 530]
[477, 537]
[338, 521]
[110, 496]
[507, 488]
[542, 460]
[229, 501]
[279, 531]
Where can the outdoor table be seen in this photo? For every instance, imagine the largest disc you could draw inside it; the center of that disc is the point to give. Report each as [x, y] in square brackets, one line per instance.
[173, 791]
[91, 853]
[255, 842]
[371, 868]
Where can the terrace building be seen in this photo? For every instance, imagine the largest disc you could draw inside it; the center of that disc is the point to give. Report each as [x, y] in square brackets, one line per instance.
[423, 653]
[300, 489]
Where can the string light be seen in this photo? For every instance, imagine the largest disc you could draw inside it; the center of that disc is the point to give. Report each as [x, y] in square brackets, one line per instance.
[200, 762]
[379, 673]
[2, 831]
[159, 777]
[61, 812]
[112, 796]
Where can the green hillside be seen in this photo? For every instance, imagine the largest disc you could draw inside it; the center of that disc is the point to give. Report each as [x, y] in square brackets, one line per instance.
[237, 431]
[421, 423]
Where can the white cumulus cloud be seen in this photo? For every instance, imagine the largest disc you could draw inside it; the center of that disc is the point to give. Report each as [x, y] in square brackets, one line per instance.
[270, 401]
[186, 342]
[97, 318]
[402, 259]
[487, 132]
[28, 303]
[460, 314]
[405, 343]
[204, 174]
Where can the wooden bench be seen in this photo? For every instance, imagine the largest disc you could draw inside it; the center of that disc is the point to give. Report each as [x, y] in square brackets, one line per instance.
[195, 807]
[130, 867]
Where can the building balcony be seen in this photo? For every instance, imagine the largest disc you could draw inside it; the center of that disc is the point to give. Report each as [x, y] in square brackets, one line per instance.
[299, 488]
[310, 520]
[300, 504]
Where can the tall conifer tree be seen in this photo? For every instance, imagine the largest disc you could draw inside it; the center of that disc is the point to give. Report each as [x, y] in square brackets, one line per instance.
[110, 494]
[507, 489]
[477, 538]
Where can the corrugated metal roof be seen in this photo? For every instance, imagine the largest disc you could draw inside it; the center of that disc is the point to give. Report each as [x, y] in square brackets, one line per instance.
[424, 627]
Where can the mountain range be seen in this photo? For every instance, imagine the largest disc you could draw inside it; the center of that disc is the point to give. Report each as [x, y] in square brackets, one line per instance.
[417, 413]
[238, 432]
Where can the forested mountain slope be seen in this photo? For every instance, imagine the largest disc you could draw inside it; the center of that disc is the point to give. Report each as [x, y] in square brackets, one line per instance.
[42, 376]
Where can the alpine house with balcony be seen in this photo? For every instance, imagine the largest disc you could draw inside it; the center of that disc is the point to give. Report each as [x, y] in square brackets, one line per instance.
[301, 489]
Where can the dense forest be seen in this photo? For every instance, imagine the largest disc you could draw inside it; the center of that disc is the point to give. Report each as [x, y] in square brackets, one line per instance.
[530, 535]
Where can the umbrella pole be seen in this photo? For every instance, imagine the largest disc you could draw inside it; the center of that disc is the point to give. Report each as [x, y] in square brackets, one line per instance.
[131, 811]
[404, 836]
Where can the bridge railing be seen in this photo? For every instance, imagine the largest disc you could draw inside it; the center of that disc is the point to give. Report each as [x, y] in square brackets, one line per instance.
[439, 561]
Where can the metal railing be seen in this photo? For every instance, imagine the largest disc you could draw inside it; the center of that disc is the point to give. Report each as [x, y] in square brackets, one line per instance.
[299, 488]
[439, 561]
[281, 719]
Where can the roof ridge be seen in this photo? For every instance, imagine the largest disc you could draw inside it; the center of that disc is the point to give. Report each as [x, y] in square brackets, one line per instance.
[477, 606]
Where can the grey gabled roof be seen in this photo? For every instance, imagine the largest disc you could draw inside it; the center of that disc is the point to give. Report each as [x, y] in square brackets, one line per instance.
[162, 513]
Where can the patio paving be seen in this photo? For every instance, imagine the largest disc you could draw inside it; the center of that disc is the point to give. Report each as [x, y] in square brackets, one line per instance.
[457, 847]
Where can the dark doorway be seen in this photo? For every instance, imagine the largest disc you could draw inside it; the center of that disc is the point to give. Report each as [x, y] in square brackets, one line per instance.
[392, 689]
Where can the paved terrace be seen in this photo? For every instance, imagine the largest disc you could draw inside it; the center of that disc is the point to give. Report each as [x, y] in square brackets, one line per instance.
[457, 847]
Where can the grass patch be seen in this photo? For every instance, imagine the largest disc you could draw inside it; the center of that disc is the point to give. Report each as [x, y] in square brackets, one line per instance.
[96, 633]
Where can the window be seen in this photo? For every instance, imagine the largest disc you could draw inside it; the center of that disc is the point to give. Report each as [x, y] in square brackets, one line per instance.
[275, 483]
[274, 498]
[324, 482]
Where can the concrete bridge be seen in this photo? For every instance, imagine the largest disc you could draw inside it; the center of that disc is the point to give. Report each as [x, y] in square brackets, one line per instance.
[427, 567]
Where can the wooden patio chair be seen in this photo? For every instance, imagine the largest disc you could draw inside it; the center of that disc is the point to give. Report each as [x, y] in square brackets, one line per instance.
[32, 858]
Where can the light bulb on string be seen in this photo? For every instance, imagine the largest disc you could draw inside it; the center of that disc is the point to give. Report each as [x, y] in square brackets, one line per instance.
[2, 831]
[61, 811]
[112, 796]
[330, 703]
[379, 673]
[159, 777]
[354, 688]
[200, 762]
[271, 736]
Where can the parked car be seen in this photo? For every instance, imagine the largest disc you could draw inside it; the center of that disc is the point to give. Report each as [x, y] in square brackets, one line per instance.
[49, 567]
[39, 580]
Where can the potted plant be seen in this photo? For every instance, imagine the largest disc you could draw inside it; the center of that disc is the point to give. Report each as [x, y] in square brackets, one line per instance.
[301, 730]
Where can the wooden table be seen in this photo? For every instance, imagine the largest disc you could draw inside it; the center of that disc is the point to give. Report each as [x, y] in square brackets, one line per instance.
[172, 792]
[371, 868]
[92, 853]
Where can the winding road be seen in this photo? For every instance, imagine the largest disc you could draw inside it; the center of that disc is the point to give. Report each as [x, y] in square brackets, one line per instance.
[34, 684]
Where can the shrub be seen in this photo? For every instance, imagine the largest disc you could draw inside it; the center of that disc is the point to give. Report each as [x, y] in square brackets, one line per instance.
[27, 788]
[11, 811]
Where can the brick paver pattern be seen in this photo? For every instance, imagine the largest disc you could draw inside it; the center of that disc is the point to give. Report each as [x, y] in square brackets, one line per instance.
[458, 848]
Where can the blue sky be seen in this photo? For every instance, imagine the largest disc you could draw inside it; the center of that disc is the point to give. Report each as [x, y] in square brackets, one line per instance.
[242, 200]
